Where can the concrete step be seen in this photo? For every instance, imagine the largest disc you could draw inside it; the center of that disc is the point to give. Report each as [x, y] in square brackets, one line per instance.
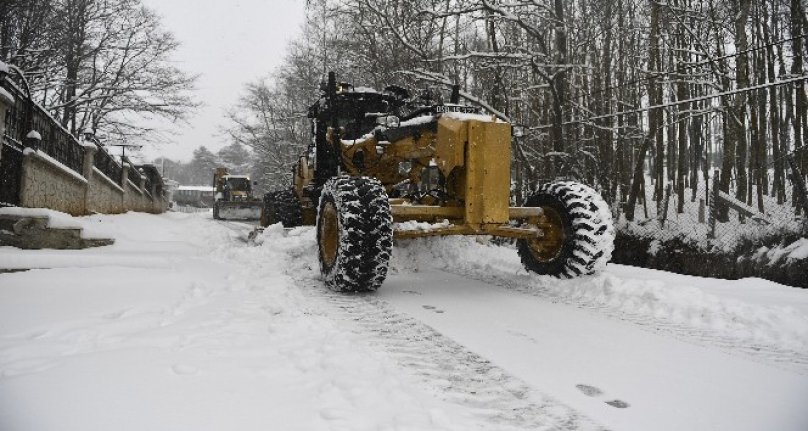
[33, 233]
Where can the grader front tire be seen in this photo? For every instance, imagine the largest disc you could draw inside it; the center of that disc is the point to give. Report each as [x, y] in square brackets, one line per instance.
[354, 234]
[581, 238]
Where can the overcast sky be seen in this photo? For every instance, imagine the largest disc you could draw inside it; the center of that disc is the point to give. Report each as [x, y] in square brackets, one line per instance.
[227, 43]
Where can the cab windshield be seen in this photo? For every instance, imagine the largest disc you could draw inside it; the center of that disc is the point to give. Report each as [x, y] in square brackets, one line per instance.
[238, 184]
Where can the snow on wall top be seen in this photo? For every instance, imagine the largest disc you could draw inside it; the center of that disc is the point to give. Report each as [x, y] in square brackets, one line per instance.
[56, 220]
[5, 96]
[55, 163]
[196, 188]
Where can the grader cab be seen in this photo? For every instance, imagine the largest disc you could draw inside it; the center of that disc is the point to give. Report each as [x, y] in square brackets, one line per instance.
[384, 165]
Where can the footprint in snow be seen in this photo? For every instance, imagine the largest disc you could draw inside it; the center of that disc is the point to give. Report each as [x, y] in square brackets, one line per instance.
[617, 403]
[592, 391]
[432, 308]
[116, 314]
[184, 370]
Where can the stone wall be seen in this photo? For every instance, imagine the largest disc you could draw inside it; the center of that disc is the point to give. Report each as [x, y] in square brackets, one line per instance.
[46, 183]
[104, 195]
[135, 199]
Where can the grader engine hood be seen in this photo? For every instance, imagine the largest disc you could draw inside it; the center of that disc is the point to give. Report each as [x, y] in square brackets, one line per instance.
[483, 148]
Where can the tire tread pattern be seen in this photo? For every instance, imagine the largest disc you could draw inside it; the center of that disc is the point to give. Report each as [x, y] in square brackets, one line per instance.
[590, 230]
[282, 206]
[365, 234]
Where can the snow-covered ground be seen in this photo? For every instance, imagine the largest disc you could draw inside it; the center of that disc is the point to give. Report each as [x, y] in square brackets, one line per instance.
[182, 325]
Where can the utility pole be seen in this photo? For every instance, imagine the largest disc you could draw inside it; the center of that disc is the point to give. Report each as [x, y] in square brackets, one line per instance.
[124, 147]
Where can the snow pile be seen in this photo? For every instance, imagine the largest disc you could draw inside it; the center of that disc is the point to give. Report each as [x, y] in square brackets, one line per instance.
[797, 250]
[420, 226]
[58, 220]
[665, 298]
[618, 290]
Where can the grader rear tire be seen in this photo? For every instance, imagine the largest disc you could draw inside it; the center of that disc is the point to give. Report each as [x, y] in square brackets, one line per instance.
[281, 206]
[582, 239]
[354, 234]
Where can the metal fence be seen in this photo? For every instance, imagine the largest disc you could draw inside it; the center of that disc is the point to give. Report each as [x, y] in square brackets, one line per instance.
[133, 174]
[10, 172]
[723, 220]
[27, 116]
[148, 184]
[107, 164]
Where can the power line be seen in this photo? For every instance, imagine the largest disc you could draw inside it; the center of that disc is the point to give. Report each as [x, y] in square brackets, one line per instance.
[698, 64]
[681, 102]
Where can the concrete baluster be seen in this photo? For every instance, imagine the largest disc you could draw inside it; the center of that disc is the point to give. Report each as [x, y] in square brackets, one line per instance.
[90, 149]
[124, 176]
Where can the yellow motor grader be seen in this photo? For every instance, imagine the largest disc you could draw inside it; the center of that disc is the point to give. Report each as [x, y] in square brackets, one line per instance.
[384, 165]
[233, 197]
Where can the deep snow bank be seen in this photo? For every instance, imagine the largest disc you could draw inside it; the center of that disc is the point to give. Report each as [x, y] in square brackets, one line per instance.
[627, 290]
[773, 315]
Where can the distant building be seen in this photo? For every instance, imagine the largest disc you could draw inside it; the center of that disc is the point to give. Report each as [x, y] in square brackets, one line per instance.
[194, 196]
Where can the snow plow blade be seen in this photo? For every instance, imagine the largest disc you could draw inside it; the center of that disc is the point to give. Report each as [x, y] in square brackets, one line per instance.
[237, 210]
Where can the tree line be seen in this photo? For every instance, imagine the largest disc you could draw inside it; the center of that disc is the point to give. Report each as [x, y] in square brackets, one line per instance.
[237, 158]
[622, 94]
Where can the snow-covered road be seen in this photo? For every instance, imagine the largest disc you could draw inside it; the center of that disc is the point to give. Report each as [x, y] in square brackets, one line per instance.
[182, 324]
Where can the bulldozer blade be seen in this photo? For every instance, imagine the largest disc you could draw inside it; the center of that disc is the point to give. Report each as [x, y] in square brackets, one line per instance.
[240, 210]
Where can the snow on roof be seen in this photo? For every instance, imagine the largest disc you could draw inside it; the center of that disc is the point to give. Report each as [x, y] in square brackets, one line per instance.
[237, 176]
[475, 117]
[423, 119]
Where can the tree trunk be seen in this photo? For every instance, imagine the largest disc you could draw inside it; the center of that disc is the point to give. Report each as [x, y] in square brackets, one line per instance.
[654, 116]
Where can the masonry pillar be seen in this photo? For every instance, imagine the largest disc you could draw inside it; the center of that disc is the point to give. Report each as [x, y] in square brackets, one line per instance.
[124, 177]
[143, 197]
[87, 170]
[31, 143]
[142, 182]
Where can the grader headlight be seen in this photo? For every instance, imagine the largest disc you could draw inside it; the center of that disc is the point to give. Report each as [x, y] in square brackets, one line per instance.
[389, 121]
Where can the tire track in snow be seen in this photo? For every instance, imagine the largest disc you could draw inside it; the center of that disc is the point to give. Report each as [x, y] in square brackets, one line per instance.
[785, 359]
[463, 377]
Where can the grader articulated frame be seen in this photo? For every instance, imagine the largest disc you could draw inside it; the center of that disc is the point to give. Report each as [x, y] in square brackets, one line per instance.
[381, 161]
